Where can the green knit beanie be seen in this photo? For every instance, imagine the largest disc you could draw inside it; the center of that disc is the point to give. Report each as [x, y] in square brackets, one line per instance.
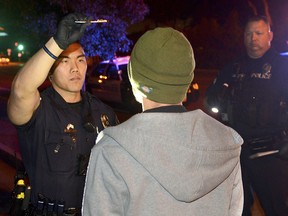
[162, 65]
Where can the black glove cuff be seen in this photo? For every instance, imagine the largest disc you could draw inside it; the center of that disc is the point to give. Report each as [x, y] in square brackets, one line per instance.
[62, 46]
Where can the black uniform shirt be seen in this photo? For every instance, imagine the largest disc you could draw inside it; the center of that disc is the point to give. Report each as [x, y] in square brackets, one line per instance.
[255, 92]
[52, 142]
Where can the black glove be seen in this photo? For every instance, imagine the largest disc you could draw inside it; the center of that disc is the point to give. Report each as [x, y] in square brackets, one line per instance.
[68, 31]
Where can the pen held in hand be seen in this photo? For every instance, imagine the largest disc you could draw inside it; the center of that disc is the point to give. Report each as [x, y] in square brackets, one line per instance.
[92, 21]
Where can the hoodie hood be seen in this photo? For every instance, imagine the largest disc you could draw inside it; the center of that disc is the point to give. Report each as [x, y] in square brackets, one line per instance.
[189, 153]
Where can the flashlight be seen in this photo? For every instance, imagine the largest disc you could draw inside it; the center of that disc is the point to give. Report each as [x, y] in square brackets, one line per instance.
[92, 21]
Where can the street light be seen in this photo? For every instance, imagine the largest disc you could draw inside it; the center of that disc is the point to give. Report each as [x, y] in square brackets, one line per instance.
[20, 47]
[2, 33]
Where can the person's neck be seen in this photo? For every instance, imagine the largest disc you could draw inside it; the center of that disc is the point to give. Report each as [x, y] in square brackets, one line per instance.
[69, 97]
[148, 104]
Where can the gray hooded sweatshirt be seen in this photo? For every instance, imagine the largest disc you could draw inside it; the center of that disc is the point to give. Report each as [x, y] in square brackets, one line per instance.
[165, 164]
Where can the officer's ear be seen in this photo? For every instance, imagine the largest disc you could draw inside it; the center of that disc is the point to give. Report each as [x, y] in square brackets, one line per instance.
[270, 36]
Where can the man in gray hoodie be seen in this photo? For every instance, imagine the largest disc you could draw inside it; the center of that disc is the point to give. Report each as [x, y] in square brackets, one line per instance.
[166, 160]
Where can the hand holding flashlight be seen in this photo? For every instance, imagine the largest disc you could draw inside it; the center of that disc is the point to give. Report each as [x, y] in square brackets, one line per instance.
[68, 31]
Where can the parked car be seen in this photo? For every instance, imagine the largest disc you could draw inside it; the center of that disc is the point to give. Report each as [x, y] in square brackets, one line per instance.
[4, 59]
[109, 82]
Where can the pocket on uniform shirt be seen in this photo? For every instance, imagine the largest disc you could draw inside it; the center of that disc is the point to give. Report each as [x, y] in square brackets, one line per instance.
[61, 154]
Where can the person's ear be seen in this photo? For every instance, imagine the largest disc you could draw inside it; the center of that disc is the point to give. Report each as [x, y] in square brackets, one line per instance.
[271, 35]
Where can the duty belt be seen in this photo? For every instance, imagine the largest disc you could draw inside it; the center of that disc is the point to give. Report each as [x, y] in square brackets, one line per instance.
[34, 211]
[44, 207]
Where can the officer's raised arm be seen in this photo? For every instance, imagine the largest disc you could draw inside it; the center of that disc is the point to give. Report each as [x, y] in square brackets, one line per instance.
[25, 97]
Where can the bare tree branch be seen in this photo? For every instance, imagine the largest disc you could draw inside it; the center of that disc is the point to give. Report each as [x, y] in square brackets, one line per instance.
[267, 13]
[253, 7]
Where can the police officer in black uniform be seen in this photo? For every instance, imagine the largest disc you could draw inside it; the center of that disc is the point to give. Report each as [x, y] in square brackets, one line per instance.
[251, 95]
[58, 127]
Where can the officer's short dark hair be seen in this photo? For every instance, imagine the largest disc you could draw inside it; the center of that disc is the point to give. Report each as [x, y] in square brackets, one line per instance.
[258, 18]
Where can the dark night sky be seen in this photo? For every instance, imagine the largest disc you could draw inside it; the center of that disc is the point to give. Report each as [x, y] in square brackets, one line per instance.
[217, 8]
[220, 8]
[198, 9]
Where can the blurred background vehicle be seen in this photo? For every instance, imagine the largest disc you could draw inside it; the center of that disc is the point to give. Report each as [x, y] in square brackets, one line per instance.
[4, 59]
[108, 80]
